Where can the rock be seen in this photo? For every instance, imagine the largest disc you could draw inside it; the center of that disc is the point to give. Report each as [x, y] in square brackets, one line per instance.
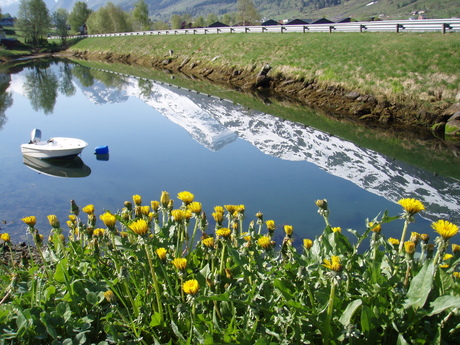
[453, 126]
[193, 65]
[264, 71]
[352, 95]
[166, 61]
[454, 108]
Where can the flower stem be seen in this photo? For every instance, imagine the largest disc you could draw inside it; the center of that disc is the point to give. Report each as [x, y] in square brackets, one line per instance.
[330, 309]
[403, 235]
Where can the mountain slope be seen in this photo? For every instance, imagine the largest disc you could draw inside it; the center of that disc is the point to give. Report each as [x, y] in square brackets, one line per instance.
[275, 9]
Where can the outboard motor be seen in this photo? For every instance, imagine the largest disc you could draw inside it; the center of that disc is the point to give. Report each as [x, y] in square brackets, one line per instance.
[35, 136]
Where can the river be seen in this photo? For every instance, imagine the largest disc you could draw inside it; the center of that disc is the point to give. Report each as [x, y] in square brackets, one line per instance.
[163, 136]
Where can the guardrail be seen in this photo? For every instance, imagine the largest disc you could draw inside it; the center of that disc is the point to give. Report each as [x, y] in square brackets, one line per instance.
[423, 25]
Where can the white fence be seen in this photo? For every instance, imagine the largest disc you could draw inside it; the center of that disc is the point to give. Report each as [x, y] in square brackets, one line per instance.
[423, 25]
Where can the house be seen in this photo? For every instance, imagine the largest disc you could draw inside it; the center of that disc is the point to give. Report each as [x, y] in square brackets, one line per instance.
[270, 22]
[344, 20]
[299, 22]
[321, 21]
[218, 25]
[7, 21]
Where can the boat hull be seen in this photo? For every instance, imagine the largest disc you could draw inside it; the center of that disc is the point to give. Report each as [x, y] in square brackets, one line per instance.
[54, 148]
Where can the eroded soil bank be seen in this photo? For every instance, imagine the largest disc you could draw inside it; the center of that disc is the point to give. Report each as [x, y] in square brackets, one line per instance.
[372, 110]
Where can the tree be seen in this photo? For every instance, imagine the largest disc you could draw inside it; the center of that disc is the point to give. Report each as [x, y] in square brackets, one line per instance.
[247, 13]
[199, 22]
[33, 20]
[108, 19]
[141, 15]
[211, 19]
[79, 15]
[176, 21]
[59, 19]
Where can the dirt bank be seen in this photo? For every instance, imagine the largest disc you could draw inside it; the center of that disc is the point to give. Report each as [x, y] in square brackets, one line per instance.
[368, 109]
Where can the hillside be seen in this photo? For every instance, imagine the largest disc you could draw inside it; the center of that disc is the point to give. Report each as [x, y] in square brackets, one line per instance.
[276, 9]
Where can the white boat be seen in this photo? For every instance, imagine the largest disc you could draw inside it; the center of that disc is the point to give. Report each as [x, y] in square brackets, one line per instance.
[56, 147]
[59, 167]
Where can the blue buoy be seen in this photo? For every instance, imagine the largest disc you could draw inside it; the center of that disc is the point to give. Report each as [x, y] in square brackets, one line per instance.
[102, 150]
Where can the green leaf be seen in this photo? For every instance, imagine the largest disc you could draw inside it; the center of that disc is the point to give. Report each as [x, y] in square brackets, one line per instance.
[420, 286]
[91, 297]
[366, 316]
[280, 285]
[401, 340]
[61, 271]
[155, 320]
[49, 292]
[444, 302]
[349, 312]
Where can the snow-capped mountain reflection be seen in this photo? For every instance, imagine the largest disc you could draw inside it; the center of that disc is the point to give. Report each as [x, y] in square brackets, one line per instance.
[215, 123]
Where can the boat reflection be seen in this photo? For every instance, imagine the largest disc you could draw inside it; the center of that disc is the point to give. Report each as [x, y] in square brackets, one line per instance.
[58, 167]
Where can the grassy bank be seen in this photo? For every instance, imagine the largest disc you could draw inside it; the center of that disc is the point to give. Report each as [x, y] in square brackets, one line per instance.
[153, 273]
[405, 67]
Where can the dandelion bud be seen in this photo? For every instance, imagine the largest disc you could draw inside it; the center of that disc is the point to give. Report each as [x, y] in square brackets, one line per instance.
[288, 229]
[425, 238]
[74, 208]
[456, 275]
[415, 237]
[228, 273]
[164, 199]
[170, 204]
[270, 225]
[394, 242]
[455, 249]
[307, 243]
[137, 199]
[322, 204]
[409, 247]
[128, 205]
[53, 220]
[377, 228]
[155, 205]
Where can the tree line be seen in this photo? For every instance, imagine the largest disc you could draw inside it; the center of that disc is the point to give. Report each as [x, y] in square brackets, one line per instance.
[35, 21]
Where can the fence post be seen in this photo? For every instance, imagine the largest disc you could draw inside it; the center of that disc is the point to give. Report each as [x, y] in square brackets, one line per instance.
[331, 28]
[305, 29]
[246, 30]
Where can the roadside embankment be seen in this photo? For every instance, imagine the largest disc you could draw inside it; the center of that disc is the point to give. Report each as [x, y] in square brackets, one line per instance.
[381, 79]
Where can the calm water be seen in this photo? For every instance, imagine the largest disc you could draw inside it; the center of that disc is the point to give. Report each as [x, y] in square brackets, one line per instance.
[162, 137]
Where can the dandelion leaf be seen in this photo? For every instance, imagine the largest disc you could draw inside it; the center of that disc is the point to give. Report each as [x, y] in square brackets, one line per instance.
[444, 302]
[349, 311]
[420, 286]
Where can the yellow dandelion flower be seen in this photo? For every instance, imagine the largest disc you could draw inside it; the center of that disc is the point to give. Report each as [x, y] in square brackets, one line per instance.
[219, 209]
[246, 236]
[139, 227]
[30, 221]
[109, 296]
[240, 209]
[337, 229]
[195, 207]
[70, 224]
[178, 215]
[270, 225]
[53, 220]
[108, 219]
[333, 264]
[447, 257]
[72, 218]
[88, 209]
[123, 234]
[445, 228]
[145, 210]
[230, 208]
[98, 232]
[456, 275]
[288, 229]
[265, 242]
[409, 247]
[155, 205]
[444, 266]
[393, 241]
[218, 217]
[191, 287]
[137, 199]
[208, 242]
[5, 237]
[223, 232]
[307, 243]
[180, 263]
[161, 252]
[411, 206]
[185, 197]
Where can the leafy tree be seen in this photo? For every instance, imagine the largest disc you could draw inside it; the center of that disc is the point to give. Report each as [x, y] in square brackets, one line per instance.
[176, 21]
[79, 15]
[108, 19]
[229, 18]
[160, 25]
[247, 12]
[66, 86]
[41, 88]
[33, 20]
[211, 19]
[59, 20]
[141, 15]
[199, 22]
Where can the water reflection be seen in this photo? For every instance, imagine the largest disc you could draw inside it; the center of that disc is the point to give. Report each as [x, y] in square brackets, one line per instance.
[67, 168]
[6, 99]
[216, 123]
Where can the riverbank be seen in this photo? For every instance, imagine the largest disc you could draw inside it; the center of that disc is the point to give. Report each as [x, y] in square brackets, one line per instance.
[367, 77]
